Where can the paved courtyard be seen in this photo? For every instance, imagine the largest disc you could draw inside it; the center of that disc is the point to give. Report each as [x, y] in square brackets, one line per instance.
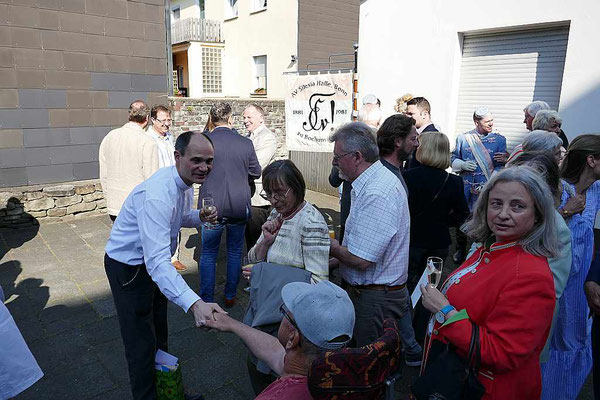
[54, 280]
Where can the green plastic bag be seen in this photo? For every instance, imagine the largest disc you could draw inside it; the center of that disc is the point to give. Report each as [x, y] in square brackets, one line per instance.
[169, 385]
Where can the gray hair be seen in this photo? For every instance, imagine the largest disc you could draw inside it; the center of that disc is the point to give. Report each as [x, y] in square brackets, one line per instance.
[357, 136]
[540, 140]
[535, 106]
[542, 240]
[544, 118]
[370, 113]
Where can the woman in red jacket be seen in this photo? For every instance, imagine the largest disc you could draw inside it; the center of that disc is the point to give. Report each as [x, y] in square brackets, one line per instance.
[505, 287]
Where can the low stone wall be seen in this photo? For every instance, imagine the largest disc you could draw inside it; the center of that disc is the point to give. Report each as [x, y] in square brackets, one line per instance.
[28, 205]
[192, 114]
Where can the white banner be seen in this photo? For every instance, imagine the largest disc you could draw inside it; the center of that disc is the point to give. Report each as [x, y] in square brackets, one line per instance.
[315, 106]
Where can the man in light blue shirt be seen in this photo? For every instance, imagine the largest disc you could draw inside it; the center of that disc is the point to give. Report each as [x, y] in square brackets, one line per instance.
[138, 258]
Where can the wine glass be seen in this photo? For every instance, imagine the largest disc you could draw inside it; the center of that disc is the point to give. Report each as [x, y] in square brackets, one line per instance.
[208, 205]
[434, 270]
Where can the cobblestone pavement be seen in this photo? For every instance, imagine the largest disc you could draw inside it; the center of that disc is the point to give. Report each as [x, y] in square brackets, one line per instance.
[57, 291]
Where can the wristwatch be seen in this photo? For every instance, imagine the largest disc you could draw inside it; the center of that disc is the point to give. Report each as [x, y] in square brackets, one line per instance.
[440, 316]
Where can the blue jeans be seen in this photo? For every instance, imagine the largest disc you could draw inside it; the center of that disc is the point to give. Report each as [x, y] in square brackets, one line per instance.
[211, 239]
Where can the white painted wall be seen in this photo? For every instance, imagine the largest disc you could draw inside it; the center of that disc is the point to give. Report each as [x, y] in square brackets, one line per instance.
[189, 8]
[414, 47]
[273, 32]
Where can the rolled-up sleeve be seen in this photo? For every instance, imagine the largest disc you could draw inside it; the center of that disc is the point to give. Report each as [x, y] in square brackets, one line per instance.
[154, 223]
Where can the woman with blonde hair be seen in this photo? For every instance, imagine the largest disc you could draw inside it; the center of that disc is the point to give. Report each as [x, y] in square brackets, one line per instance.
[570, 358]
[436, 201]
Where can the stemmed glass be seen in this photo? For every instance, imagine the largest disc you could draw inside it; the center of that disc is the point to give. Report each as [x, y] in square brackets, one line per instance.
[208, 205]
[434, 270]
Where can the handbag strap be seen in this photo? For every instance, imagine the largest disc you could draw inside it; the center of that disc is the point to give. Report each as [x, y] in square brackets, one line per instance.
[434, 197]
[474, 358]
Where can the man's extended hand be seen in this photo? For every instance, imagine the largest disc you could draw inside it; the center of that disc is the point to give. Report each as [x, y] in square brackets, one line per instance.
[221, 322]
[592, 293]
[211, 217]
[205, 312]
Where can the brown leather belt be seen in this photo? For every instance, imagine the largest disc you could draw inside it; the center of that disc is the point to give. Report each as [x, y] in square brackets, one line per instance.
[380, 287]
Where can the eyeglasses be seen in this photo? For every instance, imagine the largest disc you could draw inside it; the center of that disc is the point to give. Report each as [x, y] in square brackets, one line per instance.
[164, 121]
[274, 196]
[291, 320]
[337, 158]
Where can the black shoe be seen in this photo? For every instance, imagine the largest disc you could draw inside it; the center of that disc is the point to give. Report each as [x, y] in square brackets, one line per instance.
[459, 257]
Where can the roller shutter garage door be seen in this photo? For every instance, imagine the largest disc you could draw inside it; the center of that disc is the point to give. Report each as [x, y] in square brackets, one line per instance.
[508, 70]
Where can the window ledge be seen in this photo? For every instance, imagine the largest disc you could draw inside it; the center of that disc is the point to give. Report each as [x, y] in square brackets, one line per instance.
[230, 18]
[258, 95]
[258, 11]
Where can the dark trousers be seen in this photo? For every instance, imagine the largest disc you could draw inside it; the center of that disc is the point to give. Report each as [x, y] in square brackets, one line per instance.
[372, 307]
[417, 259]
[596, 355]
[254, 226]
[142, 312]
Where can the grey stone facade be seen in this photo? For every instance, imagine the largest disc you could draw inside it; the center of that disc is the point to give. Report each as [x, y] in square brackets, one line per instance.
[68, 72]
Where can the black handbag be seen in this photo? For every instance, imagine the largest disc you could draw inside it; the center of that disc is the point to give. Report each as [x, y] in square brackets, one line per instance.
[449, 377]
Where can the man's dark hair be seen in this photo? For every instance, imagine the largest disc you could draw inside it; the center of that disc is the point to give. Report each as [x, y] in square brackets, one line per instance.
[138, 111]
[183, 140]
[158, 108]
[394, 127]
[220, 113]
[421, 103]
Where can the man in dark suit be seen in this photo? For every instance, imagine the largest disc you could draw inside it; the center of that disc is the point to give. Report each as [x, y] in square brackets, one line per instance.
[420, 110]
[228, 186]
[592, 293]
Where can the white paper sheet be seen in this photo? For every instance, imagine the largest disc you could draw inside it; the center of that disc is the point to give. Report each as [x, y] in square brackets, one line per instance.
[416, 295]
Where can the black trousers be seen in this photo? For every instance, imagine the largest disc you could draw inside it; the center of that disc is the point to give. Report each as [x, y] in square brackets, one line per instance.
[142, 313]
[254, 226]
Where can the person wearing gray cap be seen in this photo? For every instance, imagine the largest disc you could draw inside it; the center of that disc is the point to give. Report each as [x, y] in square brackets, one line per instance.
[477, 154]
[317, 318]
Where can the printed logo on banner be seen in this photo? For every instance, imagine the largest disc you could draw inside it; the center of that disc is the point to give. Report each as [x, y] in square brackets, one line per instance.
[315, 106]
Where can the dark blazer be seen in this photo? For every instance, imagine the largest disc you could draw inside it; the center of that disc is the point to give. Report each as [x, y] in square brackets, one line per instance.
[227, 183]
[412, 161]
[429, 221]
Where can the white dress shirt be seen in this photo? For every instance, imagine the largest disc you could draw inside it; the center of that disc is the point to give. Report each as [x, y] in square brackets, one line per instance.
[166, 148]
[378, 228]
[265, 145]
[146, 232]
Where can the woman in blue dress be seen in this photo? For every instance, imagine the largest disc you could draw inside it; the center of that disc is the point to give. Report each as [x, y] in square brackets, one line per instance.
[477, 154]
[570, 358]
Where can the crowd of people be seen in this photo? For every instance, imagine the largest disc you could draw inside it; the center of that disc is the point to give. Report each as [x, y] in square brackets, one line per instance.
[524, 221]
[528, 217]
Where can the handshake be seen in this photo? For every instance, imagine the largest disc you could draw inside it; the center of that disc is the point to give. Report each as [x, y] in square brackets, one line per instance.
[204, 312]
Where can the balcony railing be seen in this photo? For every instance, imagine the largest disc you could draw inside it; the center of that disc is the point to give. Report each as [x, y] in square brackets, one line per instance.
[196, 29]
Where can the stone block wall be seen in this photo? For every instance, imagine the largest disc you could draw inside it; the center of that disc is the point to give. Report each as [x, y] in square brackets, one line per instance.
[192, 114]
[68, 72]
[28, 205]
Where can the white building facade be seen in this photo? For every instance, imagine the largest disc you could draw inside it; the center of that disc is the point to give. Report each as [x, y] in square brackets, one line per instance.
[467, 53]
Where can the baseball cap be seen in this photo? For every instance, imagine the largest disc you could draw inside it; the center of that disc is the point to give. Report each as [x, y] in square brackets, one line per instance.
[370, 99]
[323, 312]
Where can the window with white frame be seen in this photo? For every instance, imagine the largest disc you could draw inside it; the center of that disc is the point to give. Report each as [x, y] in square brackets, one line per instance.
[260, 74]
[175, 14]
[231, 9]
[258, 5]
[211, 70]
[202, 9]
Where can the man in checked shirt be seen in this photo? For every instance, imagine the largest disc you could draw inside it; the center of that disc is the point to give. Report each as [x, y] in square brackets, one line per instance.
[373, 257]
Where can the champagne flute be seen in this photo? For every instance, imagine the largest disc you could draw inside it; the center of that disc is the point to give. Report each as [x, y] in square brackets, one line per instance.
[208, 205]
[434, 270]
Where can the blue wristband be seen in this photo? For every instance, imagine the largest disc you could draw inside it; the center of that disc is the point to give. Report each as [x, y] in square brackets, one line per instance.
[447, 309]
